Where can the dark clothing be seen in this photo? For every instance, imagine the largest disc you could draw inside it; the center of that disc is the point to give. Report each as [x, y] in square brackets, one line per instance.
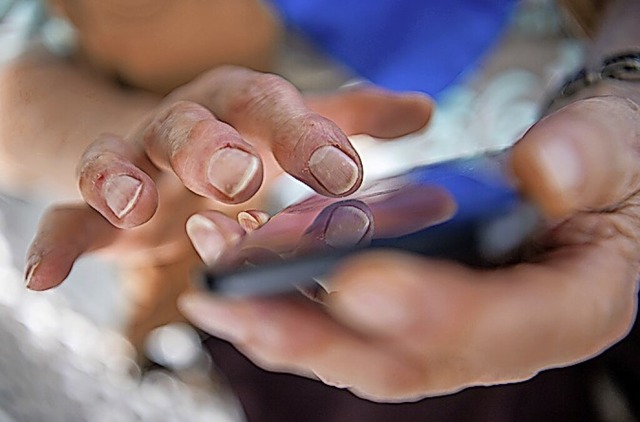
[566, 395]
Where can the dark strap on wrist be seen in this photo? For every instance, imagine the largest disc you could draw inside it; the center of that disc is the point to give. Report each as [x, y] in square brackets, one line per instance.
[621, 67]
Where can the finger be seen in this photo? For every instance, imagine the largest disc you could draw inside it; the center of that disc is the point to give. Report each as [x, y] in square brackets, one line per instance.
[213, 233]
[341, 225]
[263, 330]
[584, 156]
[472, 328]
[64, 234]
[112, 182]
[251, 220]
[374, 111]
[308, 146]
[420, 205]
[209, 156]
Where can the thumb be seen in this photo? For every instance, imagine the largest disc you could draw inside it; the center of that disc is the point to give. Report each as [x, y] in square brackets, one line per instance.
[584, 156]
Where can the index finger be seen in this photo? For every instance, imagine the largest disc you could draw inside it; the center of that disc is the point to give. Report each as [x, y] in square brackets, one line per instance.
[469, 327]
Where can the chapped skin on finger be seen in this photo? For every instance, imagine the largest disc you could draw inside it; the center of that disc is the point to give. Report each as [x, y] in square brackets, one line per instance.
[111, 180]
[268, 109]
[209, 156]
[316, 151]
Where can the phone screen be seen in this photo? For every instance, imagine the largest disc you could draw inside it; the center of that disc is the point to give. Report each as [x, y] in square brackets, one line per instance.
[466, 210]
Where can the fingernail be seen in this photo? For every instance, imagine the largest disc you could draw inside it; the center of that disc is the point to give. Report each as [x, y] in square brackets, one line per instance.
[374, 305]
[206, 238]
[32, 264]
[562, 165]
[121, 194]
[231, 170]
[214, 316]
[251, 220]
[334, 169]
[347, 226]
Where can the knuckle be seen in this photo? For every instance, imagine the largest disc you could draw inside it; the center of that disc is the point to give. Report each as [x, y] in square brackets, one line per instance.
[295, 134]
[181, 150]
[261, 92]
[179, 108]
[174, 123]
[300, 134]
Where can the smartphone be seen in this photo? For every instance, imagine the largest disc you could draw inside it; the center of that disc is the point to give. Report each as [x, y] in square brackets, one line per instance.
[468, 210]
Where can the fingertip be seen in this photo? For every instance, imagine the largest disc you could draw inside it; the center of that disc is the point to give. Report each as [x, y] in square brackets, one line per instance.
[337, 172]
[208, 155]
[29, 272]
[126, 200]
[550, 172]
[251, 220]
[65, 233]
[206, 238]
[579, 158]
[235, 174]
[348, 226]
[315, 151]
[111, 182]
[211, 233]
[46, 272]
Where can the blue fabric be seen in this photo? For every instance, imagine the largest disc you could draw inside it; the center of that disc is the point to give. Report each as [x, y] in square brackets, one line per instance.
[403, 45]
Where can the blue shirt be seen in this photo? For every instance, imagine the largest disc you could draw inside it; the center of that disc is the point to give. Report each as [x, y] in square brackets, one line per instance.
[419, 45]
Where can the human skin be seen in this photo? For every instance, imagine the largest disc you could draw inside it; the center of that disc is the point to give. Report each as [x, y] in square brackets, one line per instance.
[138, 136]
[122, 38]
[396, 327]
[440, 326]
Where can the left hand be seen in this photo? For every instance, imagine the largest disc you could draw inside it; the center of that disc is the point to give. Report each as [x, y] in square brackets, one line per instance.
[397, 327]
[152, 233]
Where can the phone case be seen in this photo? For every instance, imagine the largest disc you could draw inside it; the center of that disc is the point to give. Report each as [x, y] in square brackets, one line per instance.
[467, 210]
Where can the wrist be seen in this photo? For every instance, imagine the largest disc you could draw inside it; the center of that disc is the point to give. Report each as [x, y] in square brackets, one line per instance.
[616, 75]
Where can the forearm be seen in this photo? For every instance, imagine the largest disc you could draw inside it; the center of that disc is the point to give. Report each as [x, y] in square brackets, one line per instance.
[50, 110]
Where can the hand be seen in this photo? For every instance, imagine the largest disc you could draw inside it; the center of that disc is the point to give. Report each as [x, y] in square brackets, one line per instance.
[397, 327]
[214, 136]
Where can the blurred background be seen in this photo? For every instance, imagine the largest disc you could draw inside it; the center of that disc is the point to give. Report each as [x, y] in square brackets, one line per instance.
[62, 356]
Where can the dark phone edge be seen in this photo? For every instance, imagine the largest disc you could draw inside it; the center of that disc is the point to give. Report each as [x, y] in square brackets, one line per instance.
[465, 242]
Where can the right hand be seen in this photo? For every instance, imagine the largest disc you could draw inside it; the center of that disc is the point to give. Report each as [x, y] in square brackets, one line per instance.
[400, 327]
